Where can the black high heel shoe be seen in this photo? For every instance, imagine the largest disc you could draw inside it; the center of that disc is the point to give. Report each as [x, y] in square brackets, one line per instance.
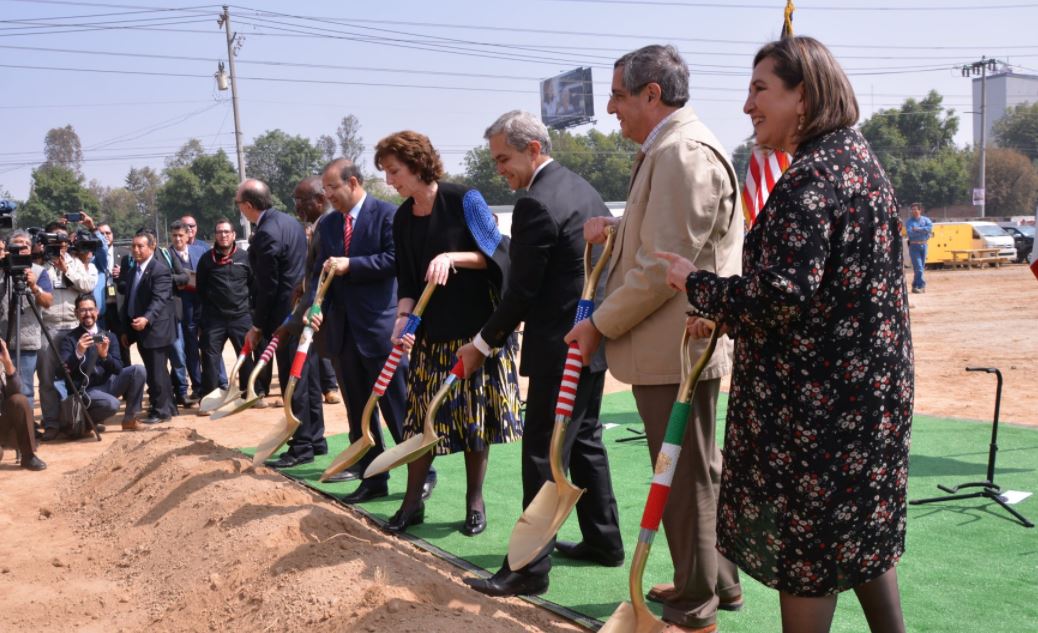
[403, 520]
[475, 524]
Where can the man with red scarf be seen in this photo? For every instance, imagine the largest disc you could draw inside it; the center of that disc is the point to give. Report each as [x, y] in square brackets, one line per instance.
[223, 279]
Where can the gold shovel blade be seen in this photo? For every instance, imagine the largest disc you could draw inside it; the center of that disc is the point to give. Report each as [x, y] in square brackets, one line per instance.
[237, 406]
[353, 454]
[275, 439]
[629, 619]
[218, 398]
[403, 453]
[540, 522]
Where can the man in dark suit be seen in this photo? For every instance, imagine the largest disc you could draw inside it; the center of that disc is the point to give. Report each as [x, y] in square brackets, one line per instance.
[99, 365]
[277, 257]
[360, 309]
[149, 321]
[544, 285]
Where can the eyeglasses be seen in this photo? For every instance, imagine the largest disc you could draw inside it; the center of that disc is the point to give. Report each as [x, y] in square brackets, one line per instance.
[223, 232]
[86, 310]
[190, 226]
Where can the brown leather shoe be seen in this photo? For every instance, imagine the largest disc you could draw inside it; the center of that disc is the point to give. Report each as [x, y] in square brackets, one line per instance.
[661, 592]
[331, 397]
[132, 425]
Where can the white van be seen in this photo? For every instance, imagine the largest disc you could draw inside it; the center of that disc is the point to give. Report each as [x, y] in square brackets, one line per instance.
[991, 235]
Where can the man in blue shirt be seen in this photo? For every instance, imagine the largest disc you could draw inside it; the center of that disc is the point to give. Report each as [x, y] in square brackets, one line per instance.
[920, 230]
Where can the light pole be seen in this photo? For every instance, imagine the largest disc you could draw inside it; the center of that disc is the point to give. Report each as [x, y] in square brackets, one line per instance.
[232, 44]
[981, 68]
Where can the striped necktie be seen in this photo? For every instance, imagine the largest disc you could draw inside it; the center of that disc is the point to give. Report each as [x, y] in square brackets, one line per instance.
[347, 235]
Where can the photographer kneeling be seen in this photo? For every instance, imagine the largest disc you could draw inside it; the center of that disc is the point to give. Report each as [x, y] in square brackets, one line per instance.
[92, 357]
[15, 415]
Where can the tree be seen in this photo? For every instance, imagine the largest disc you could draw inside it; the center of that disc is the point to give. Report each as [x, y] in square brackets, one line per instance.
[186, 155]
[61, 147]
[144, 184]
[56, 190]
[481, 174]
[914, 143]
[282, 161]
[1018, 129]
[1011, 186]
[349, 138]
[326, 145]
[741, 158]
[204, 189]
[119, 209]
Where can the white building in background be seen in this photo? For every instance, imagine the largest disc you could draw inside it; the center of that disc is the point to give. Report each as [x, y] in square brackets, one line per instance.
[1005, 90]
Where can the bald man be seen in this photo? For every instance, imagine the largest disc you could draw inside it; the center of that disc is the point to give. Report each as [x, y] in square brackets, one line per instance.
[277, 256]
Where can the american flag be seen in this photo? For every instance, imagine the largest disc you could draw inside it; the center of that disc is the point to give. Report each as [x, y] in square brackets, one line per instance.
[765, 168]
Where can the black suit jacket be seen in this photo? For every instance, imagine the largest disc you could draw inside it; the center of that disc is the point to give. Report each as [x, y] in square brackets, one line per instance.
[154, 301]
[98, 371]
[277, 256]
[547, 271]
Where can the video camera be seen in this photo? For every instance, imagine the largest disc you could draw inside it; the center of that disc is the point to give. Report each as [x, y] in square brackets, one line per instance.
[85, 242]
[51, 243]
[7, 208]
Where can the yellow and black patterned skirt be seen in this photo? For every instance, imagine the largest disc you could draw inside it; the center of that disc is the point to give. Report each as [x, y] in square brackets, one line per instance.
[480, 411]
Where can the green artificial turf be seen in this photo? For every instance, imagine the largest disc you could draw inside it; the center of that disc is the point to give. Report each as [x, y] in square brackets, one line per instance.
[968, 565]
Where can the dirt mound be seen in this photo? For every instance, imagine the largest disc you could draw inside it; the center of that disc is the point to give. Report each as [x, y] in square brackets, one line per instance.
[172, 532]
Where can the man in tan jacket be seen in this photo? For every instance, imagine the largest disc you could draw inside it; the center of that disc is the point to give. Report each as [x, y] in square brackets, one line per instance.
[683, 198]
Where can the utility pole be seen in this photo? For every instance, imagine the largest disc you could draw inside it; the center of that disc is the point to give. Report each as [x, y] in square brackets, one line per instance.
[981, 68]
[225, 22]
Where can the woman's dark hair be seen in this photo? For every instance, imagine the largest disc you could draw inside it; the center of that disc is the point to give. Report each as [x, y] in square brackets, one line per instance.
[829, 100]
[414, 150]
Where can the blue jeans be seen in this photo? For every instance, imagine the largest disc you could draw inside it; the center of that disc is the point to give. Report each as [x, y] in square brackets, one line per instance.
[178, 365]
[27, 371]
[104, 398]
[918, 254]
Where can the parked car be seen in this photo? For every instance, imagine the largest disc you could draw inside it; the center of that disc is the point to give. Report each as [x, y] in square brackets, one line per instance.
[1023, 237]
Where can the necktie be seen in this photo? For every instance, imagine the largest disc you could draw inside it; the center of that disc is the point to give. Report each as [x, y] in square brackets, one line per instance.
[133, 292]
[638, 159]
[347, 235]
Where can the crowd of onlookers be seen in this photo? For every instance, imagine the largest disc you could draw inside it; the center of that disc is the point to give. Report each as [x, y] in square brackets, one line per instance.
[72, 309]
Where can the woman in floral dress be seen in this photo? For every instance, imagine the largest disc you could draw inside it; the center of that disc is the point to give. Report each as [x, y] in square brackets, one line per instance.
[813, 491]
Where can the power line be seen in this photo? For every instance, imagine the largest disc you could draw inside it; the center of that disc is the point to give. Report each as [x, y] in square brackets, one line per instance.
[769, 7]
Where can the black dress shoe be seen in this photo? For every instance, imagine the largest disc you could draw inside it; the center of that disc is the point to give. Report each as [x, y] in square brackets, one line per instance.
[581, 551]
[33, 463]
[287, 460]
[49, 435]
[509, 584]
[427, 488]
[346, 475]
[403, 519]
[366, 492]
[156, 419]
[476, 523]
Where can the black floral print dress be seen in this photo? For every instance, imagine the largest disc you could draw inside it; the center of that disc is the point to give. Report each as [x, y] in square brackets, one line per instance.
[813, 490]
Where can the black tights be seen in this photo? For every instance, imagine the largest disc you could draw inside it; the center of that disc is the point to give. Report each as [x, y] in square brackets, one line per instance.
[879, 600]
[475, 472]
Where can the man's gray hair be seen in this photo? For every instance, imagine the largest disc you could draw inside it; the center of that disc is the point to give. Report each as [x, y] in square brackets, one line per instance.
[19, 233]
[519, 129]
[657, 64]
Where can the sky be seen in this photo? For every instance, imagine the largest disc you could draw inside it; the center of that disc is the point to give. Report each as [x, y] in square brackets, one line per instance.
[135, 79]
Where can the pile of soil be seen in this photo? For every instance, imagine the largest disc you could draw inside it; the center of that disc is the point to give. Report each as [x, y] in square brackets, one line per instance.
[169, 531]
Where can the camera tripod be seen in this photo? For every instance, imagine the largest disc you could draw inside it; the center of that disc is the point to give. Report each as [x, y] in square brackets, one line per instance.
[988, 488]
[19, 290]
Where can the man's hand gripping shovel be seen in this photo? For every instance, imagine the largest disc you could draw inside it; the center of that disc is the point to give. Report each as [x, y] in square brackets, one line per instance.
[355, 451]
[288, 425]
[541, 520]
[634, 616]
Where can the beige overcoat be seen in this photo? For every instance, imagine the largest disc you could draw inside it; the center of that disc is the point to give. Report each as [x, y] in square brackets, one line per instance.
[683, 199]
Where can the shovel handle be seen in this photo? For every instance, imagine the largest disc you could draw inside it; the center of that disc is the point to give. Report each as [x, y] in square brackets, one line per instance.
[246, 349]
[269, 352]
[388, 370]
[666, 464]
[301, 351]
[459, 370]
[570, 378]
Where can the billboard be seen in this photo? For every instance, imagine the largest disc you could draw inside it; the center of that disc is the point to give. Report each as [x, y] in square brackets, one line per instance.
[567, 99]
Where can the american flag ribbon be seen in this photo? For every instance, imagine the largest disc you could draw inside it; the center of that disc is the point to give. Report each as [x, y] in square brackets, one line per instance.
[765, 168]
[382, 382]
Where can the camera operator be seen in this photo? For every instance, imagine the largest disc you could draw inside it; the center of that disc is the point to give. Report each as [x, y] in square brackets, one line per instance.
[70, 278]
[15, 415]
[30, 336]
[98, 246]
[91, 355]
